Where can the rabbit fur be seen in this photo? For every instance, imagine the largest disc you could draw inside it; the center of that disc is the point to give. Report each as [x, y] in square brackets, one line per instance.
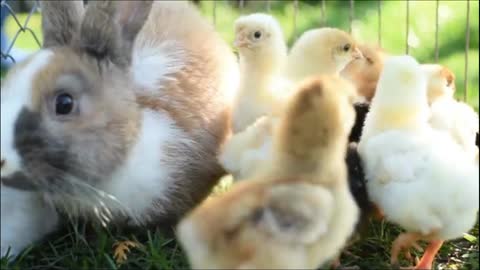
[119, 117]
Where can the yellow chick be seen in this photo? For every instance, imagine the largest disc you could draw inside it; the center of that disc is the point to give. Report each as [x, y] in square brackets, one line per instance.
[299, 213]
[263, 54]
[418, 176]
[321, 51]
[364, 72]
[440, 82]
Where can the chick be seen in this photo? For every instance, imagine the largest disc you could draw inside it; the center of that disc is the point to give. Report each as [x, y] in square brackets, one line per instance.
[263, 54]
[440, 82]
[364, 72]
[299, 213]
[357, 186]
[321, 51]
[419, 176]
[245, 152]
[457, 118]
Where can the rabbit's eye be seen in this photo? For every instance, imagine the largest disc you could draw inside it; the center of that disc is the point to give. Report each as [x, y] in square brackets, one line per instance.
[257, 34]
[346, 47]
[64, 104]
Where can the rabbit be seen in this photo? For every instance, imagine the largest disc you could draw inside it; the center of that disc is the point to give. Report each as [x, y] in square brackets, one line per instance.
[118, 118]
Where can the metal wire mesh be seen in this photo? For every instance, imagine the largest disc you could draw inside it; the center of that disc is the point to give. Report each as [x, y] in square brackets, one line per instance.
[350, 18]
[467, 47]
[407, 26]
[12, 7]
[7, 8]
[324, 14]
[295, 12]
[379, 14]
[436, 31]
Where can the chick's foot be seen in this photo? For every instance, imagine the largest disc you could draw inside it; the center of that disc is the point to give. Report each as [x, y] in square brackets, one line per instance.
[403, 243]
[431, 251]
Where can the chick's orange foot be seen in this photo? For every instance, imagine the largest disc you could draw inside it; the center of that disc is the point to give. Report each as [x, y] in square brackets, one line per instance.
[404, 242]
[337, 265]
[426, 262]
[407, 240]
[342, 267]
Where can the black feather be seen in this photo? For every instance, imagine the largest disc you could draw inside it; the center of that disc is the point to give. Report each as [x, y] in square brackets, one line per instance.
[361, 110]
[357, 185]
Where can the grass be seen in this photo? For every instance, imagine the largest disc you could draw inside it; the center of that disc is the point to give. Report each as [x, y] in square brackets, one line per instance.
[82, 246]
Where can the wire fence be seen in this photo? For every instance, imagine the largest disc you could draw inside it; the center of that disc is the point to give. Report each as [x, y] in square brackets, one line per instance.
[12, 7]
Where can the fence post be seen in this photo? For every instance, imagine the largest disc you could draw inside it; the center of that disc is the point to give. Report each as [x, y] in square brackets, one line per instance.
[408, 28]
[379, 8]
[324, 14]
[467, 47]
[351, 16]
[214, 11]
[295, 11]
[436, 32]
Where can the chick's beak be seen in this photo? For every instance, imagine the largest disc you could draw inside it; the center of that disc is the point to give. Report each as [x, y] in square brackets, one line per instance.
[357, 54]
[240, 41]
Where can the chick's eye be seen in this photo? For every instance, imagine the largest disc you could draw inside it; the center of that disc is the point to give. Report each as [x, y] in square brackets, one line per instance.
[346, 47]
[257, 34]
[64, 104]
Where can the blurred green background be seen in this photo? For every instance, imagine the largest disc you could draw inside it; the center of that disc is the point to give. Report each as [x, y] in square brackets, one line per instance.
[451, 37]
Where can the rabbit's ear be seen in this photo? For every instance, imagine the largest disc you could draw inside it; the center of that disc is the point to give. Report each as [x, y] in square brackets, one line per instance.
[109, 28]
[60, 21]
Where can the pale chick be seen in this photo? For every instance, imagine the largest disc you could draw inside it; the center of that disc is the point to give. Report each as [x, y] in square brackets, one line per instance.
[321, 51]
[364, 72]
[299, 213]
[418, 176]
[245, 152]
[440, 82]
[262, 50]
[458, 118]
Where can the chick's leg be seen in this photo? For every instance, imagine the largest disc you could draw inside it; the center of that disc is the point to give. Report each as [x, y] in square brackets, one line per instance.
[403, 242]
[429, 255]
[377, 213]
[336, 264]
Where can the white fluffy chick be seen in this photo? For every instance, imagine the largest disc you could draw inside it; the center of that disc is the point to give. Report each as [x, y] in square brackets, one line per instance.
[321, 51]
[459, 120]
[418, 176]
[262, 49]
[455, 117]
[300, 214]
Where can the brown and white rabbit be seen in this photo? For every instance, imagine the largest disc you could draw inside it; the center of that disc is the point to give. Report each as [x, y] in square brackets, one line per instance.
[120, 115]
